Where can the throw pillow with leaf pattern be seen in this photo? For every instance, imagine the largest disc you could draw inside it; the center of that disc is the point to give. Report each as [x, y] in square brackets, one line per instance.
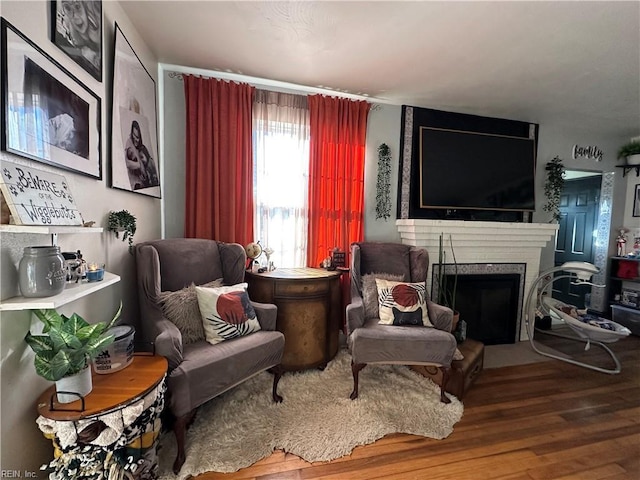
[402, 303]
[226, 312]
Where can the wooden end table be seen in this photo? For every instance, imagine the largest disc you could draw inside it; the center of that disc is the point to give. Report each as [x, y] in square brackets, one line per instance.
[132, 450]
[309, 302]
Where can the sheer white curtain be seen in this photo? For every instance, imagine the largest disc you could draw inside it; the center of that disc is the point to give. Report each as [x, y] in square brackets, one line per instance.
[280, 176]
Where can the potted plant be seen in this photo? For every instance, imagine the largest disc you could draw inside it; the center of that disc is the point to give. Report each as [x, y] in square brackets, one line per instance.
[448, 284]
[630, 151]
[124, 222]
[553, 188]
[66, 348]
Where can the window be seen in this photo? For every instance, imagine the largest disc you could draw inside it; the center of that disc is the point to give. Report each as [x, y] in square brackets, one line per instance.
[280, 176]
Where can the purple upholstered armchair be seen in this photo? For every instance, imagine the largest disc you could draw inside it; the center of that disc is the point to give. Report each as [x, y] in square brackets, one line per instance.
[198, 370]
[371, 342]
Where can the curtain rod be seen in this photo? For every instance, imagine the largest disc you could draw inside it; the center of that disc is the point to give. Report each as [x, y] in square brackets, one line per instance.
[177, 71]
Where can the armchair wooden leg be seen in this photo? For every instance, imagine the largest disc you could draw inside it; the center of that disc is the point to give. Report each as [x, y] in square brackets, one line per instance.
[445, 379]
[355, 368]
[180, 425]
[277, 373]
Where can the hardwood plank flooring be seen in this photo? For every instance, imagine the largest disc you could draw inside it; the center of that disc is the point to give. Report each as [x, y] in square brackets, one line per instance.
[543, 421]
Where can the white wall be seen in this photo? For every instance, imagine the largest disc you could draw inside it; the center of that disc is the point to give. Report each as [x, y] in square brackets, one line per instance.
[383, 127]
[173, 113]
[21, 443]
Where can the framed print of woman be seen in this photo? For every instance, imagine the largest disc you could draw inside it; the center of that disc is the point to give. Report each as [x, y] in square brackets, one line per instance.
[77, 30]
[134, 140]
[141, 167]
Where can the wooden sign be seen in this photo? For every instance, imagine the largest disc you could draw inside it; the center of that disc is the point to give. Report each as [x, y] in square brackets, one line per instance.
[36, 197]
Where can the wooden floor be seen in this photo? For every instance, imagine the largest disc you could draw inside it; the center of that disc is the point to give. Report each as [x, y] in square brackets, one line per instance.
[548, 420]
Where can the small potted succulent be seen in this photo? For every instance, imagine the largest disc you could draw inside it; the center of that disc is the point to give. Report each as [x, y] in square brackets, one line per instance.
[125, 223]
[65, 350]
[630, 152]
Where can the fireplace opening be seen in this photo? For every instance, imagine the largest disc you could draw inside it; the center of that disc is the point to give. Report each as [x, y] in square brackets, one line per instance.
[489, 305]
[489, 299]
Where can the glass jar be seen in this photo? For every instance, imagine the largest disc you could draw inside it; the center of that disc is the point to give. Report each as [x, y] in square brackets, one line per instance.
[41, 272]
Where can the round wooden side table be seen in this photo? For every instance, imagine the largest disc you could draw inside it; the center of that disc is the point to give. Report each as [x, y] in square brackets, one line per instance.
[309, 302]
[115, 427]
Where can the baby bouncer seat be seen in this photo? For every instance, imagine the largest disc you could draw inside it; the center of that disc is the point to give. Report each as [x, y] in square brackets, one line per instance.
[591, 329]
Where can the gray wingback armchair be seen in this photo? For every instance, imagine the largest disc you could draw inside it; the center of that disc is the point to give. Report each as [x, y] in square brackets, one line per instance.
[199, 371]
[370, 342]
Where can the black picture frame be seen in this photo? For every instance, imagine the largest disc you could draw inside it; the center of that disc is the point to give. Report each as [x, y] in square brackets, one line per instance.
[61, 127]
[636, 201]
[134, 133]
[339, 258]
[76, 29]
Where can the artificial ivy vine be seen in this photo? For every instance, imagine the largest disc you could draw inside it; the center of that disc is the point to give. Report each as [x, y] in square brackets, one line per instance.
[383, 184]
[124, 222]
[553, 187]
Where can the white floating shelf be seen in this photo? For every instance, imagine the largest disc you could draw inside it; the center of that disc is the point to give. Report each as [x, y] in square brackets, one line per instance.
[71, 292]
[48, 230]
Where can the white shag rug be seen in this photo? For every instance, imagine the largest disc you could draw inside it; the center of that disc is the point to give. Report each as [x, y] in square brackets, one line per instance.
[316, 421]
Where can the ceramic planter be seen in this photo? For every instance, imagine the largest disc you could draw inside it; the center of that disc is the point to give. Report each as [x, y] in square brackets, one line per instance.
[633, 159]
[79, 383]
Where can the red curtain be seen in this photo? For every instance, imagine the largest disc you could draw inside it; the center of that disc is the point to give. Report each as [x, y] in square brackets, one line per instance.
[336, 174]
[219, 176]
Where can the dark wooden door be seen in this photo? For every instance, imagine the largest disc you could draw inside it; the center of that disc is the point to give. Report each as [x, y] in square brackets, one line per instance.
[576, 233]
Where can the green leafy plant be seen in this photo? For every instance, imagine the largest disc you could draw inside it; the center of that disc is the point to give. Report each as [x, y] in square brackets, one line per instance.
[553, 187]
[447, 284]
[628, 149]
[448, 287]
[124, 222]
[67, 344]
[383, 183]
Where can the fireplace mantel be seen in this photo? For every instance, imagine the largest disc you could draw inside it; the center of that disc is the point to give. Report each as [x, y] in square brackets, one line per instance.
[481, 242]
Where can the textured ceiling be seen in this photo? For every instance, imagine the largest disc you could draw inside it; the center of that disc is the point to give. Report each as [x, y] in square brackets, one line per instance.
[571, 63]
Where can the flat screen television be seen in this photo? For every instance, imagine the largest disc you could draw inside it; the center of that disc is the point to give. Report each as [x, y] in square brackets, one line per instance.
[472, 170]
[457, 166]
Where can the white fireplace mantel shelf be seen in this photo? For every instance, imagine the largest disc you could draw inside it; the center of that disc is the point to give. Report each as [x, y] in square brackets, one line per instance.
[481, 242]
[477, 234]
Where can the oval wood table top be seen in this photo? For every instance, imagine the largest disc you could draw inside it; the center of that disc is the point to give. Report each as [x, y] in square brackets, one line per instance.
[301, 273]
[110, 391]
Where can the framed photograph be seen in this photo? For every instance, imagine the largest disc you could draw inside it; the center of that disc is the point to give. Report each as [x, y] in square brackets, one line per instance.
[76, 28]
[134, 137]
[47, 114]
[338, 258]
[636, 202]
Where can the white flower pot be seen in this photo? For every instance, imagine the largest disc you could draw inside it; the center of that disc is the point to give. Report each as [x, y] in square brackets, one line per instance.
[79, 383]
[633, 159]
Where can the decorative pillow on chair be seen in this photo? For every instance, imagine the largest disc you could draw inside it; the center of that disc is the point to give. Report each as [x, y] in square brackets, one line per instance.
[226, 312]
[402, 303]
[370, 292]
[181, 308]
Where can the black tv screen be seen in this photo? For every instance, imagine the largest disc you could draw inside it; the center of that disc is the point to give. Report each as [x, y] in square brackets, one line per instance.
[471, 170]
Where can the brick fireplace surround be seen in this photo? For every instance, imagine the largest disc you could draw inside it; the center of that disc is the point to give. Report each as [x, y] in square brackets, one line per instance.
[482, 243]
